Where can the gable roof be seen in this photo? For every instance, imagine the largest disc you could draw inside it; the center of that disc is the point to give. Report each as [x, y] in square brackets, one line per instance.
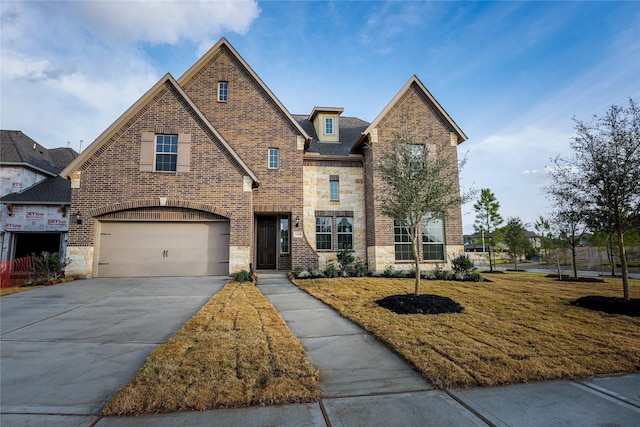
[414, 80]
[139, 104]
[20, 150]
[214, 49]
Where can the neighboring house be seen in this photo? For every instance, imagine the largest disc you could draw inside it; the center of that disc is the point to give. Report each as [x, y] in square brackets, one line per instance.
[34, 209]
[210, 174]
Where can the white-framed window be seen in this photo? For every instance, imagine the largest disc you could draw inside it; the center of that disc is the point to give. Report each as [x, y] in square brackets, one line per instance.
[344, 226]
[166, 153]
[433, 240]
[328, 125]
[223, 91]
[324, 232]
[284, 235]
[334, 188]
[274, 158]
[402, 242]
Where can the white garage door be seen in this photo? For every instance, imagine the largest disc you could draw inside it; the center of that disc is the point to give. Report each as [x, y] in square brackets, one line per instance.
[143, 249]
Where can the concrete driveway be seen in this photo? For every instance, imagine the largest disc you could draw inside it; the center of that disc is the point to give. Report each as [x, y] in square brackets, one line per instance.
[66, 348]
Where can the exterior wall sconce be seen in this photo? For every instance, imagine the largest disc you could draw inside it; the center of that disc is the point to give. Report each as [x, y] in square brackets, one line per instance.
[78, 218]
[297, 221]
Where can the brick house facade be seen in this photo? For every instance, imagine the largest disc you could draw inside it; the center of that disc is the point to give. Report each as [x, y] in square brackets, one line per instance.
[210, 174]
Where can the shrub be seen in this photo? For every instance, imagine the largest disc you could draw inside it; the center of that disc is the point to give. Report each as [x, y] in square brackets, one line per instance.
[296, 271]
[462, 265]
[389, 271]
[242, 276]
[440, 273]
[475, 276]
[316, 274]
[331, 270]
[345, 258]
[360, 269]
[49, 266]
[302, 274]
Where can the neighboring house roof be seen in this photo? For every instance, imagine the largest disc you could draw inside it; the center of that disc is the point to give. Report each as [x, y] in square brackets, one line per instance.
[413, 81]
[207, 57]
[350, 128]
[140, 103]
[55, 190]
[18, 149]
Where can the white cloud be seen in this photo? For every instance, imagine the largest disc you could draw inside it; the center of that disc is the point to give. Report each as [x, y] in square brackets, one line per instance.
[69, 69]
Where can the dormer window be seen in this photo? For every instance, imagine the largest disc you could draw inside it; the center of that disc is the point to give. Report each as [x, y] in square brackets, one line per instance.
[325, 123]
[328, 125]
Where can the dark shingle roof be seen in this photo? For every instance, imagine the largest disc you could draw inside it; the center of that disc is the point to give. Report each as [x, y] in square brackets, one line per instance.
[350, 129]
[56, 190]
[18, 148]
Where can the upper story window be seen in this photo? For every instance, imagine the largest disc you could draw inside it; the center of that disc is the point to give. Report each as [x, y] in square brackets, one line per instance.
[328, 125]
[223, 91]
[334, 188]
[166, 153]
[274, 158]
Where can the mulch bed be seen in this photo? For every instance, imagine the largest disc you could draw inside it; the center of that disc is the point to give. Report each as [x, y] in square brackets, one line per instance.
[420, 304]
[567, 278]
[610, 305]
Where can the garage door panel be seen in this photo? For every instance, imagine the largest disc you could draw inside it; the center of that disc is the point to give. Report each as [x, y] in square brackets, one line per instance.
[138, 249]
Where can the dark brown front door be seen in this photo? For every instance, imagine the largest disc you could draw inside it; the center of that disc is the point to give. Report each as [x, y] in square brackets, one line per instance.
[267, 242]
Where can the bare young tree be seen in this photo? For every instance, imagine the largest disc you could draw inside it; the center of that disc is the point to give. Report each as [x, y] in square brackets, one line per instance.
[571, 228]
[420, 185]
[601, 179]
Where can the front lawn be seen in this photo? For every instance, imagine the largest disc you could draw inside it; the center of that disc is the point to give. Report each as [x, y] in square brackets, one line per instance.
[518, 328]
[235, 352]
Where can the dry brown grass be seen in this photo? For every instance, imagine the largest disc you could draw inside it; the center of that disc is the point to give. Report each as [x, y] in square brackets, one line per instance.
[235, 352]
[516, 329]
[17, 289]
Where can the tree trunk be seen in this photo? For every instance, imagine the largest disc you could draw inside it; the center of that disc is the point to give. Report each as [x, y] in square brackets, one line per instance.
[515, 262]
[490, 262]
[558, 262]
[416, 259]
[623, 261]
[573, 261]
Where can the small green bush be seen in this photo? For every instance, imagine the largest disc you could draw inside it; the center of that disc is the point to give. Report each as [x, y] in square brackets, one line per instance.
[389, 271]
[331, 270]
[360, 269]
[316, 274]
[49, 265]
[242, 276]
[462, 265]
[475, 276]
[302, 274]
[440, 273]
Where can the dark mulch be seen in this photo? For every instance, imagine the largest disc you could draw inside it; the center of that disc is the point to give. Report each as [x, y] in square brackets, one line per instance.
[420, 304]
[610, 305]
[493, 272]
[567, 278]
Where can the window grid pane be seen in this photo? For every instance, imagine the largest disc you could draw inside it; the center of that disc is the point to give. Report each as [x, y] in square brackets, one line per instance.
[334, 190]
[328, 126]
[344, 226]
[433, 241]
[402, 243]
[273, 158]
[166, 153]
[323, 232]
[223, 91]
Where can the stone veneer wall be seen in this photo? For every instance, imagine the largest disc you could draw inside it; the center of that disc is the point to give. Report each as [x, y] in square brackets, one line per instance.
[316, 198]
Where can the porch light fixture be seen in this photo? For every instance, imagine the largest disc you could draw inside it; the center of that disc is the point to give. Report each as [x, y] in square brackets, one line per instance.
[297, 221]
[78, 218]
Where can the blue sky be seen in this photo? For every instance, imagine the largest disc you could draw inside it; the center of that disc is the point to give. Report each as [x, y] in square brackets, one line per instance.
[511, 74]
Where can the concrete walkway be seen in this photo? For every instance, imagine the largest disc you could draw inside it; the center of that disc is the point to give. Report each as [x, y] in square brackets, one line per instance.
[60, 363]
